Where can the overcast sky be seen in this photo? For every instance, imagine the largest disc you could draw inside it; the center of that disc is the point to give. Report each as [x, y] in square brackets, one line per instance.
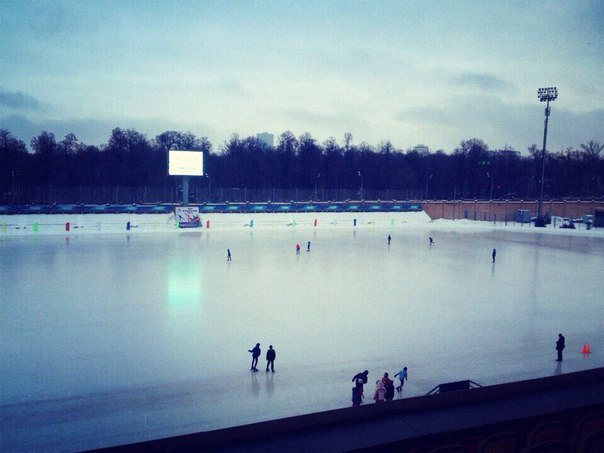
[429, 72]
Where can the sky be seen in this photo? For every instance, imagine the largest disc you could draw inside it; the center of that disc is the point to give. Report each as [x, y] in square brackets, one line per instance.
[411, 72]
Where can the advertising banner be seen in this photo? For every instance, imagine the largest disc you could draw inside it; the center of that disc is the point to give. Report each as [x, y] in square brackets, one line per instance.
[188, 217]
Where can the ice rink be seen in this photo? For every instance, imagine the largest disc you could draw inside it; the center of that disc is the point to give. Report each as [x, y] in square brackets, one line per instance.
[117, 338]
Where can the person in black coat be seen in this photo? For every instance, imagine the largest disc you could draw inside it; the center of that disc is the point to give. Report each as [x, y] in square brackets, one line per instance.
[560, 347]
[255, 354]
[270, 358]
[357, 391]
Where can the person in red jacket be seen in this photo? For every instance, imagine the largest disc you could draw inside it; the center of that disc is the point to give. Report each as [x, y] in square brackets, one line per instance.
[389, 386]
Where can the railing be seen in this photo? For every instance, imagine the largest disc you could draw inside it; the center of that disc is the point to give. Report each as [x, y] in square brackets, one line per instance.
[454, 386]
[22, 194]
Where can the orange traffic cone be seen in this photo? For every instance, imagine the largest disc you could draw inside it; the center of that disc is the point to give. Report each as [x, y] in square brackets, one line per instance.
[586, 349]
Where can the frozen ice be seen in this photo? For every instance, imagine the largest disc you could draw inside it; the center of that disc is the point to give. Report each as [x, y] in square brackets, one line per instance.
[108, 339]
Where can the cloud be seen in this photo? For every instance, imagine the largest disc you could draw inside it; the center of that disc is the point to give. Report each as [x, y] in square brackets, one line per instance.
[16, 100]
[323, 125]
[499, 123]
[481, 80]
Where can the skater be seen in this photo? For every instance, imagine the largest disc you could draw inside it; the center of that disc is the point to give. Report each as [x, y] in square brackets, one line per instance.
[255, 354]
[308, 246]
[402, 376]
[389, 239]
[297, 249]
[380, 391]
[389, 386]
[228, 254]
[560, 346]
[270, 358]
[431, 241]
[494, 254]
[359, 380]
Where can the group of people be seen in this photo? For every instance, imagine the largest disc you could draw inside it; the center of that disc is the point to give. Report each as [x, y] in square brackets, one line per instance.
[271, 355]
[384, 387]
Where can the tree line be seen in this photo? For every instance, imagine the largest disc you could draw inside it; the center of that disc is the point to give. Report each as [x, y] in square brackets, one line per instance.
[470, 171]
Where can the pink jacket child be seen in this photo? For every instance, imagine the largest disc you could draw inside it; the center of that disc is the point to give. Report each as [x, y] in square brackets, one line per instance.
[380, 391]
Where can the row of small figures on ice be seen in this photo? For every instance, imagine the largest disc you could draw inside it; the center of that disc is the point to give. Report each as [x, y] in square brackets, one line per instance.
[384, 387]
[430, 240]
[230, 257]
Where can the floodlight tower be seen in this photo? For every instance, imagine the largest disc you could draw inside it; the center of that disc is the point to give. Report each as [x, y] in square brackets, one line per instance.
[361, 189]
[545, 95]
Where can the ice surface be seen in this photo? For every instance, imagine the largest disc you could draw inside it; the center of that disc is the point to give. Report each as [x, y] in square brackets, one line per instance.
[112, 339]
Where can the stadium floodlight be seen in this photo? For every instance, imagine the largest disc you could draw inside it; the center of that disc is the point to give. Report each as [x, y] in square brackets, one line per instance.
[545, 95]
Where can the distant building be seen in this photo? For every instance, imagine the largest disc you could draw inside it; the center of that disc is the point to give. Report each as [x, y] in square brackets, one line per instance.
[266, 138]
[507, 153]
[422, 150]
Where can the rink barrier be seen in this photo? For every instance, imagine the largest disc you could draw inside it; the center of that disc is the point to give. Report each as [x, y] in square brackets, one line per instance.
[123, 223]
[206, 208]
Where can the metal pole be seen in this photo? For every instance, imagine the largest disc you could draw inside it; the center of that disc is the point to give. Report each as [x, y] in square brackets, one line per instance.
[547, 111]
[545, 95]
[185, 191]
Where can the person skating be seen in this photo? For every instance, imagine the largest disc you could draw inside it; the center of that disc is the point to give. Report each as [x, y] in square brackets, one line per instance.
[270, 358]
[494, 254]
[402, 376]
[431, 241]
[228, 254]
[255, 354]
[389, 239]
[297, 249]
[560, 346]
[308, 246]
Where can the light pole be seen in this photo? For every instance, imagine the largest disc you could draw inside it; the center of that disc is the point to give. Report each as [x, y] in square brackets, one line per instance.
[427, 182]
[209, 188]
[317, 186]
[361, 190]
[545, 95]
[491, 182]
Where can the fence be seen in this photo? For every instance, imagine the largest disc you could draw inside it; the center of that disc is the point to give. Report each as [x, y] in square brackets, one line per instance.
[173, 194]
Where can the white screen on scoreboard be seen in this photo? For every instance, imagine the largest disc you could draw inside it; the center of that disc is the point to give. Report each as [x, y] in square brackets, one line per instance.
[185, 163]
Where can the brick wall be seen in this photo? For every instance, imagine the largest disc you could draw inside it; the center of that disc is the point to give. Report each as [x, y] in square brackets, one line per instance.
[502, 210]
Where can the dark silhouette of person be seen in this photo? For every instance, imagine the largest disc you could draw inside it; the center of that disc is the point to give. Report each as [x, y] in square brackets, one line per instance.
[228, 254]
[308, 246]
[255, 354]
[389, 385]
[297, 249]
[360, 379]
[271, 355]
[357, 391]
[389, 239]
[431, 241]
[560, 346]
[494, 254]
